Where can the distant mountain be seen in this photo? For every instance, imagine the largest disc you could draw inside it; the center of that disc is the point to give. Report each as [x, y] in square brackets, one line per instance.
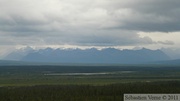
[10, 63]
[108, 55]
[172, 53]
[169, 62]
[19, 54]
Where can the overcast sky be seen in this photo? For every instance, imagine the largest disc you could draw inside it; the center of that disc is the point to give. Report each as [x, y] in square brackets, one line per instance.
[85, 23]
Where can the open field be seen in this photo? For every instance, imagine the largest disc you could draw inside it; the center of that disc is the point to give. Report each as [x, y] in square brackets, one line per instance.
[85, 83]
[94, 75]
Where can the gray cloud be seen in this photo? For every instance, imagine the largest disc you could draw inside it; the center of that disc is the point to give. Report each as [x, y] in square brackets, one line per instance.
[150, 16]
[86, 22]
[166, 42]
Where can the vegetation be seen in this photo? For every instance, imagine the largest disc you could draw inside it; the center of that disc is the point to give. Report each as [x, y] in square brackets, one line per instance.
[46, 75]
[56, 83]
[113, 92]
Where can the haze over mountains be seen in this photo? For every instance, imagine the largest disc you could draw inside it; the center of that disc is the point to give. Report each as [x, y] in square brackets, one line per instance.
[108, 55]
[153, 24]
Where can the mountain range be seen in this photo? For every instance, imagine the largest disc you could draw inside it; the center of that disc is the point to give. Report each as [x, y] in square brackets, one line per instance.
[93, 55]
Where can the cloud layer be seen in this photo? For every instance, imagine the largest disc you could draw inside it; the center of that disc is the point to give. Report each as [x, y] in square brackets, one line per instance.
[87, 22]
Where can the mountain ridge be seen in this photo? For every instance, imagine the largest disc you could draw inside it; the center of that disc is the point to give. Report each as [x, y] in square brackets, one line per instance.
[93, 55]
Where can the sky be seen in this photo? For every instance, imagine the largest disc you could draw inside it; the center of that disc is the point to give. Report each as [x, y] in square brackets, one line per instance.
[152, 24]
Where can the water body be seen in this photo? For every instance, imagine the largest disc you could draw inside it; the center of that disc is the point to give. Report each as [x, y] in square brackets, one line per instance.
[71, 74]
[66, 74]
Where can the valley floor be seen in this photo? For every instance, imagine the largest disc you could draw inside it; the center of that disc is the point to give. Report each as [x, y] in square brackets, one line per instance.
[85, 83]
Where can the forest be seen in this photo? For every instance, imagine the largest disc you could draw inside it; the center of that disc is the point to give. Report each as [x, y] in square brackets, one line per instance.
[85, 83]
[112, 92]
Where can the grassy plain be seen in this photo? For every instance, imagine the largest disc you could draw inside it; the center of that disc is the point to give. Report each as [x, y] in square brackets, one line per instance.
[85, 83]
[58, 75]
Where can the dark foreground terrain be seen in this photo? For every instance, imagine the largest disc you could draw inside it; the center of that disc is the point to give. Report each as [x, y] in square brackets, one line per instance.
[85, 83]
[112, 92]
